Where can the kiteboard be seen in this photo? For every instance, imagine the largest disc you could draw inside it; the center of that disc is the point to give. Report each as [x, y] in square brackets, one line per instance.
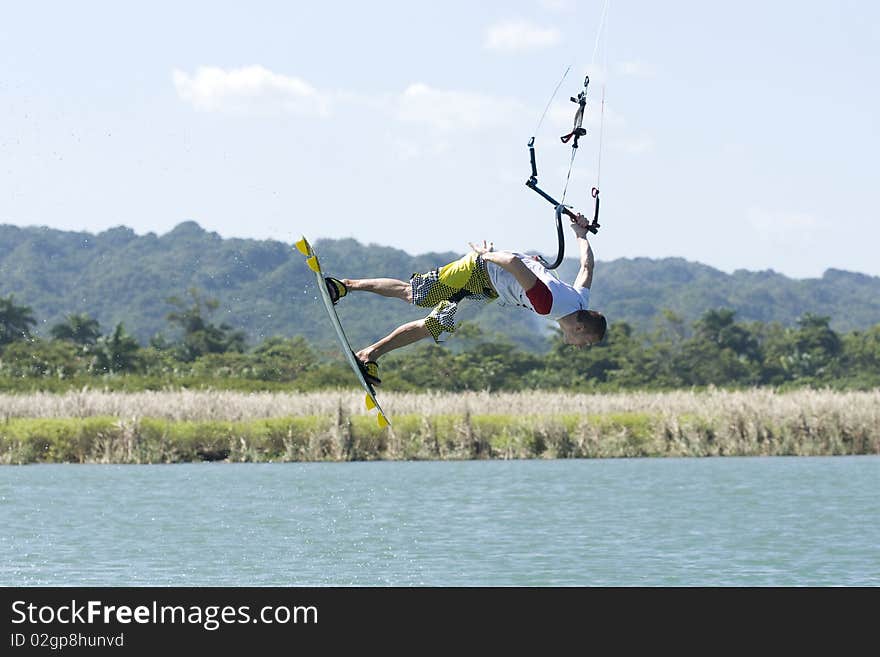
[306, 249]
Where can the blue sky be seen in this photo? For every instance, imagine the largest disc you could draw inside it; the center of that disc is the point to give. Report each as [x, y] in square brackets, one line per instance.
[741, 135]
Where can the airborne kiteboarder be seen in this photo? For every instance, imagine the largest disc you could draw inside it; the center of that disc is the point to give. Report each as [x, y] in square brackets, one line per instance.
[483, 275]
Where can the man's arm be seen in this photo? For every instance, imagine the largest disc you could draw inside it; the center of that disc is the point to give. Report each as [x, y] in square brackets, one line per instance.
[584, 277]
[509, 262]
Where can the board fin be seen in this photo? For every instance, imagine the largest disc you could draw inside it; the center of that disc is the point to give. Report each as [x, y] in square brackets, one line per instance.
[380, 418]
[313, 264]
[303, 247]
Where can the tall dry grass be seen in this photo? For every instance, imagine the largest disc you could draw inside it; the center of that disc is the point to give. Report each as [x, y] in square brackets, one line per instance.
[186, 425]
[848, 407]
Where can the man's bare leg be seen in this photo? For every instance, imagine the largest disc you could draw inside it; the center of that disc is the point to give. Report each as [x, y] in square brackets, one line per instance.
[399, 337]
[387, 287]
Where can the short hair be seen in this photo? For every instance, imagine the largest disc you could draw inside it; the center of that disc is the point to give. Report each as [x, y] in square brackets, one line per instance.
[594, 322]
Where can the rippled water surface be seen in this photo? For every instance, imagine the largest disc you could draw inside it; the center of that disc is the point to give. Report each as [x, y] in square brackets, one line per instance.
[681, 522]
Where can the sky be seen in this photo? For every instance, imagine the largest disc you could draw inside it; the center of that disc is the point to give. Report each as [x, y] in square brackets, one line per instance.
[739, 135]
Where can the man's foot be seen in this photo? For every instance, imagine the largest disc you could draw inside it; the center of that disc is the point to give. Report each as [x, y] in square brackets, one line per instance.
[336, 288]
[370, 370]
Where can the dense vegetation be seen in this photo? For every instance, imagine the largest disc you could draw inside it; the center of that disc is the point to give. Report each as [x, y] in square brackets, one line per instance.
[717, 349]
[263, 288]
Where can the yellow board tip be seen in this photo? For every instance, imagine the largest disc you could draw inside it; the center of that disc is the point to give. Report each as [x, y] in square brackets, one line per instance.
[303, 247]
[370, 403]
[313, 264]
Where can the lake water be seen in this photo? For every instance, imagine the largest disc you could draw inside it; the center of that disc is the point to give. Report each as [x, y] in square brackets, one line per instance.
[653, 522]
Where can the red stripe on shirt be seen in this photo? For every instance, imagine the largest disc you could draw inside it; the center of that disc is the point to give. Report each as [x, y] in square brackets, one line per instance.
[539, 295]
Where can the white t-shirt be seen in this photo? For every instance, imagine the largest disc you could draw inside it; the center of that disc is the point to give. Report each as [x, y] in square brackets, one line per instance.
[567, 299]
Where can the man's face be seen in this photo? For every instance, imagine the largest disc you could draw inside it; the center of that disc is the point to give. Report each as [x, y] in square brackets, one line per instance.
[578, 336]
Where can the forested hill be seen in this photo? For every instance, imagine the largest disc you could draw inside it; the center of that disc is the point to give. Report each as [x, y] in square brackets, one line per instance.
[265, 288]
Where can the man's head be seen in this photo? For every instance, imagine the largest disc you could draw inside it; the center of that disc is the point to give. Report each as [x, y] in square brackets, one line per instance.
[583, 327]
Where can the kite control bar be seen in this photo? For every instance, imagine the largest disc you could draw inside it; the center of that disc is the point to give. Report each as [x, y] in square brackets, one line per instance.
[576, 133]
[532, 183]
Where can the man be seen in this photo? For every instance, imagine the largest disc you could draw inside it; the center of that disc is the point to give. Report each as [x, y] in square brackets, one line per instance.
[512, 279]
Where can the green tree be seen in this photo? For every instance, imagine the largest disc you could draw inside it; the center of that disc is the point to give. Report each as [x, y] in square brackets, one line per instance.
[15, 321]
[425, 366]
[635, 364]
[573, 368]
[495, 366]
[816, 348]
[40, 358]
[669, 326]
[718, 327]
[200, 336]
[721, 352]
[861, 358]
[775, 340]
[283, 359]
[78, 328]
[654, 362]
[117, 352]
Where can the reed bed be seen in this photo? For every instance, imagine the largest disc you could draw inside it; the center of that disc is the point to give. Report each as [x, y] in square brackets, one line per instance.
[194, 405]
[167, 426]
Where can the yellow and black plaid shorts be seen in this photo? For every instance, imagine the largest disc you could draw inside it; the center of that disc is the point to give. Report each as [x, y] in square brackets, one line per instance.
[444, 288]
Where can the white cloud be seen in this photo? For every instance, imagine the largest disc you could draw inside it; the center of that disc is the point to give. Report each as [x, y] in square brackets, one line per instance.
[782, 227]
[257, 90]
[251, 89]
[454, 110]
[514, 36]
[440, 114]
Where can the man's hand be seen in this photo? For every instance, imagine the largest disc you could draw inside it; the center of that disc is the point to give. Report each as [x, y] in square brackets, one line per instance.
[508, 262]
[580, 225]
[486, 247]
